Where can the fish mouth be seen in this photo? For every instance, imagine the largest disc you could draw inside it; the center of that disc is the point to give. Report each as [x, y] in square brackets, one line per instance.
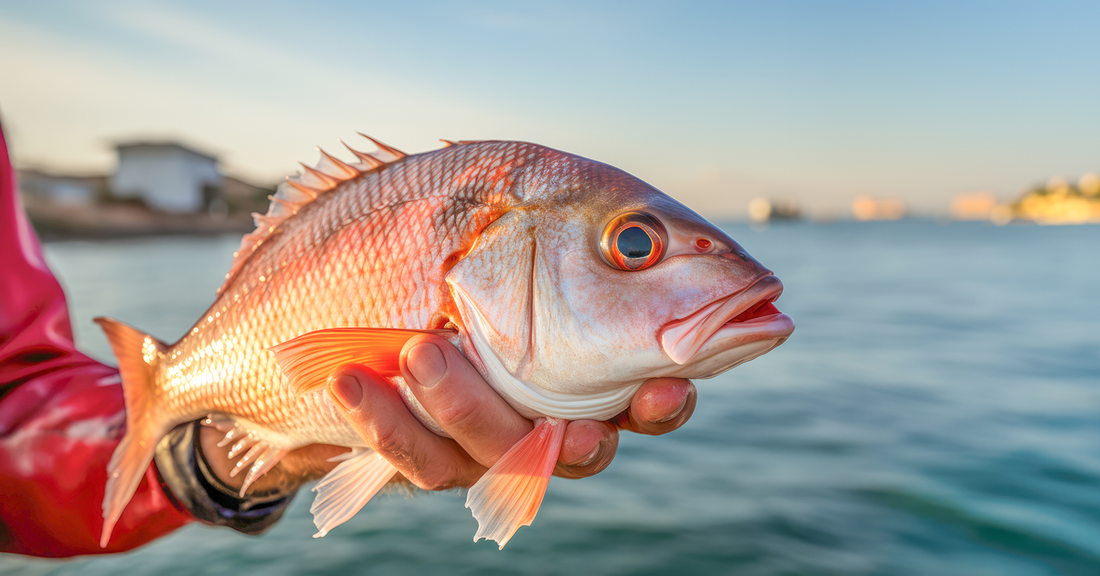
[741, 318]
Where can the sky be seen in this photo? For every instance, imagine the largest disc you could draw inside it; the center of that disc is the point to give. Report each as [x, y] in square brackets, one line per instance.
[714, 103]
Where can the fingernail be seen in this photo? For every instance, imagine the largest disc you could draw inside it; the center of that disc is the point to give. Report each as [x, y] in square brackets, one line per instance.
[675, 414]
[347, 391]
[590, 458]
[427, 364]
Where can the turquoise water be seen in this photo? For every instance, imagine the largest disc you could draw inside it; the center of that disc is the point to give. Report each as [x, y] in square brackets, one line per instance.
[935, 412]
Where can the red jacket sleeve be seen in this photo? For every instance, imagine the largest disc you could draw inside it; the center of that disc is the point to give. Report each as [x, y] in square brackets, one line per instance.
[61, 414]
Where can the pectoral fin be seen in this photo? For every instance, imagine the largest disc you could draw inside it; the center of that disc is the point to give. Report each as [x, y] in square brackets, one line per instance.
[509, 495]
[308, 360]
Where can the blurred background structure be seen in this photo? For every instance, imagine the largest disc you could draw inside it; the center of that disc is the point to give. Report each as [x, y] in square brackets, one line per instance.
[156, 188]
[935, 412]
[168, 176]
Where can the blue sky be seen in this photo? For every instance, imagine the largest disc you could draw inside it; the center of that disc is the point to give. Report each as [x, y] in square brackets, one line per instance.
[714, 103]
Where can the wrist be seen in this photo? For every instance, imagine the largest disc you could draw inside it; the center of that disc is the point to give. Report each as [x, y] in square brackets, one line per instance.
[294, 469]
[190, 485]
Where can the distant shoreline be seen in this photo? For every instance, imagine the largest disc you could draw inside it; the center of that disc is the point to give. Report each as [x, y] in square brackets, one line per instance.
[49, 235]
[58, 222]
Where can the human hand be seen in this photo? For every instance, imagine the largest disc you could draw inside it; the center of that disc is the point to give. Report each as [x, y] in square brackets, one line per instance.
[483, 426]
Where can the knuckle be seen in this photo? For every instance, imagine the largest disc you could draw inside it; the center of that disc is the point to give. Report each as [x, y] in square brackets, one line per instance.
[391, 441]
[435, 478]
[397, 448]
[457, 413]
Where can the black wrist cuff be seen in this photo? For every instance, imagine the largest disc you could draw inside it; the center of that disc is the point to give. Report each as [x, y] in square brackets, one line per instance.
[188, 482]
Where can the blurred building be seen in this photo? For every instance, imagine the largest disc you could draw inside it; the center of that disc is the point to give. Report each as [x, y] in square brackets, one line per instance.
[158, 188]
[244, 198]
[63, 189]
[168, 177]
[867, 208]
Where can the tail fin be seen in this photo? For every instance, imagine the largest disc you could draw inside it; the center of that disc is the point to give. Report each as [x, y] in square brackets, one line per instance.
[138, 355]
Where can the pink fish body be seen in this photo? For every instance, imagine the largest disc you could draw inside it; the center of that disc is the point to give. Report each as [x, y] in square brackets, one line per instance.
[567, 283]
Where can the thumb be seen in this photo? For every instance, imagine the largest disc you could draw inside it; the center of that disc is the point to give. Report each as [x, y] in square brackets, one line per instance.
[346, 386]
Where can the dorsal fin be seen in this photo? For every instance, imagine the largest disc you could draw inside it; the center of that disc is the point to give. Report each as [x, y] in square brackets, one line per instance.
[334, 165]
[325, 180]
[364, 157]
[394, 153]
[303, 188]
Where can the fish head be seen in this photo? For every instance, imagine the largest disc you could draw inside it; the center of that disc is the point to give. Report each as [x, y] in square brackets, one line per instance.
[597, 281]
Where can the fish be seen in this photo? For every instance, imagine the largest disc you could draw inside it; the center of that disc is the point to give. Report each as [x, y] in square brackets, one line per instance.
[566, 282]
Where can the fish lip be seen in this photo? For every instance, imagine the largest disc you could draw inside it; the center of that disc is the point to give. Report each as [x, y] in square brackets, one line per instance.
[682, 339]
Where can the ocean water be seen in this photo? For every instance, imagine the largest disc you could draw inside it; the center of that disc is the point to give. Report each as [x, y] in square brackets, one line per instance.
[935, 412]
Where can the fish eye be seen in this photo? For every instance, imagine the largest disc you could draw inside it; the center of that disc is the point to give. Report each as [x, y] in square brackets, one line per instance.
[633, 241]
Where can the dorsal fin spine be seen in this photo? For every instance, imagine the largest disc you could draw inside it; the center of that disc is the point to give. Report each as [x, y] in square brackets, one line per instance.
[363, 156]
[328, 180]
[329, 173]
[384, 147]
[262, 220]
[348, 170]
[311, 192]
[292, 206]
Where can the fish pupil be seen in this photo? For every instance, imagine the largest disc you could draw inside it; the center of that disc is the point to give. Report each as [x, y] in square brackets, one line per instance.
[634, 242]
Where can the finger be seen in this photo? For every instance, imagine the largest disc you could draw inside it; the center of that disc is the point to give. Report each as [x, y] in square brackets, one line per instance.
[457, 398]
[377, 412]
[660, 406]
[588, 448]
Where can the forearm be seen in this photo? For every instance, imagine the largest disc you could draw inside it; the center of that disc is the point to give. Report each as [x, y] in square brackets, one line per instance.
[58, 430]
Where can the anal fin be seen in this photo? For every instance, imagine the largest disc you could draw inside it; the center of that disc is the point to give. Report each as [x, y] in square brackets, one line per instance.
[348, 487]
[508, 496]
[262, 455]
